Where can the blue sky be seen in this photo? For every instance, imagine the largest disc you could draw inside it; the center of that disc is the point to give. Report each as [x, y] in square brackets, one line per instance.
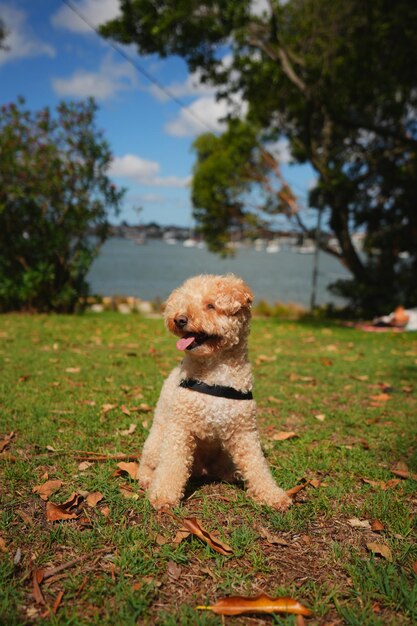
[54, 55]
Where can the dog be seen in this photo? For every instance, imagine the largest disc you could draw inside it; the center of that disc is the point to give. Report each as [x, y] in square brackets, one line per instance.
[205, 419]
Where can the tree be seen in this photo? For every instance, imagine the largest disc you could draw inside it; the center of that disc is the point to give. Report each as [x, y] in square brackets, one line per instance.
[54, 200]
[337, 79]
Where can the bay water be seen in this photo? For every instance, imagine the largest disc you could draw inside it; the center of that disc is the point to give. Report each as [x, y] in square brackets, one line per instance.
[150, 271]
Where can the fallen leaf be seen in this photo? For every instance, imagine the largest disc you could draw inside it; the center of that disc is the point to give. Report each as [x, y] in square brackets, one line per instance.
[47, 489]
[320, 417]
[105, 510]
[73, 370]
[127, 492]
[125, 410]
[283, 435]
[180, 536]
[354, 522]
[130, 468]
[414, 567]
[105, 408]
[379, 399]
[2, 545]
[404, 474]
[66, 511]
[384, 485]
[84, 465]
[376, 526]
[37, 577]
[174, 571]
[194, 526]
[271, 538]
[297, 488]
[380, 548]
[17, 557]
[6, 441]
[94, 498]
[237, 605]
[129, 431]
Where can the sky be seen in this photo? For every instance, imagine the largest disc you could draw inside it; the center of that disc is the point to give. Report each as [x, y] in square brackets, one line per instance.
[54, 55]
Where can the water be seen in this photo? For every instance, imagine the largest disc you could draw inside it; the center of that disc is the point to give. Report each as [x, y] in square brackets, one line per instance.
[152, 270]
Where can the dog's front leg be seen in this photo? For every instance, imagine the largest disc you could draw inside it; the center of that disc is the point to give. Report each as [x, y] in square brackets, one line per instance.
[246, 451]
[173, 469]
[150, 454]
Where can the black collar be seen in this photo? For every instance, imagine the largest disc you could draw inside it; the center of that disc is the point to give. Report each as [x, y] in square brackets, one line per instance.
[216, 390]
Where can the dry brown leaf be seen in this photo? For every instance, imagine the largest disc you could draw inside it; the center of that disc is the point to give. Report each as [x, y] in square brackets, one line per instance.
[376, 526]
[105, 408]
[56, 513]
[321, 417]
[125, 410]
[291, 492]
[380, 548]
[271, 537]
[131, 468]
[354, 522]
[73, 370]
[104, 510]
[94, 498]
[380, 398]
[129, 431]
[414, 567]
[384, 485]
[194, 526]
[127, 492]
[180, 536]
[84, 465]
[173, 570]
[6, 441]
[237, 605]
[404, 474]
[283, 435]
[37, 577]
[47, 489]
[3, 545]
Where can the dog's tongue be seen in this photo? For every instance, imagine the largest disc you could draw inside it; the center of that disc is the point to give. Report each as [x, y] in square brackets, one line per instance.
[182, 344]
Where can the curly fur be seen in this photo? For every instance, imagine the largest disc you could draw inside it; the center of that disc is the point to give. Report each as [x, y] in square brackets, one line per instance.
[198, 434]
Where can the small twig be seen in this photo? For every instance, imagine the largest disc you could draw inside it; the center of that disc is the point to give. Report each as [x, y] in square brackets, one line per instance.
[59, 568]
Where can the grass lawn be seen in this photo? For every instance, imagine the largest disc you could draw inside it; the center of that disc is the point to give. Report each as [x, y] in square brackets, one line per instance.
[72, 386]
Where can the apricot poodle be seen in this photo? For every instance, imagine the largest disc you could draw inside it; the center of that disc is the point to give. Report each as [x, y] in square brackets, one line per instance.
[205, 418]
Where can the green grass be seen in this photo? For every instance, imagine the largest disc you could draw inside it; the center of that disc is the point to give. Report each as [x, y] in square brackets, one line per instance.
[58, 372]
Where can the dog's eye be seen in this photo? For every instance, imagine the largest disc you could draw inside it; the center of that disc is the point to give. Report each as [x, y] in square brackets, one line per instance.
[211, 306]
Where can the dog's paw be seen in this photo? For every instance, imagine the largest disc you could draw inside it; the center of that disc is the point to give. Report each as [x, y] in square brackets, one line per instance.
[282, 504]
[161, 500]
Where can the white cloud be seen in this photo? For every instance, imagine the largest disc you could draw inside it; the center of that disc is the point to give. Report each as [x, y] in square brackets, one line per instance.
[96, 12]
[203, 115]
[192, 86]
[281, 150]
[110, 79]
[21, 41]
[144, 172]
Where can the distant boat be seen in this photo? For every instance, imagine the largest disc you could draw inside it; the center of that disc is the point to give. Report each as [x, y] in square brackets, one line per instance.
[259, 244]
[273, 247]
[170, 240]
[306, 248]
[190, 243]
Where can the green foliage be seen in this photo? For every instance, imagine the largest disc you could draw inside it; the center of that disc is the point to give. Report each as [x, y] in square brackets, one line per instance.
[54, 198]
[222, 180]
[337, 79]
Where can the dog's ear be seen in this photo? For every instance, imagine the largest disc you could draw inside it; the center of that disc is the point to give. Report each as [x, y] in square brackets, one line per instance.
[233, 295]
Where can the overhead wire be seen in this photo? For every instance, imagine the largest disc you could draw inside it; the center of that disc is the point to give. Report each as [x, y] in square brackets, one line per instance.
[139, 68]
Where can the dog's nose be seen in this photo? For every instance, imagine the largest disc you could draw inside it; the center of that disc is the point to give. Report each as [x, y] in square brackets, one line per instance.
[181, 321]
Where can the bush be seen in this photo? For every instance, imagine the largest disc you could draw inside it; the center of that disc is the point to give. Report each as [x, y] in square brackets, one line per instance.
[54, 201]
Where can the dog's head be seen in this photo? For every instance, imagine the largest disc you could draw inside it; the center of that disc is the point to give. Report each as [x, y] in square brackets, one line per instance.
[209, 313]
